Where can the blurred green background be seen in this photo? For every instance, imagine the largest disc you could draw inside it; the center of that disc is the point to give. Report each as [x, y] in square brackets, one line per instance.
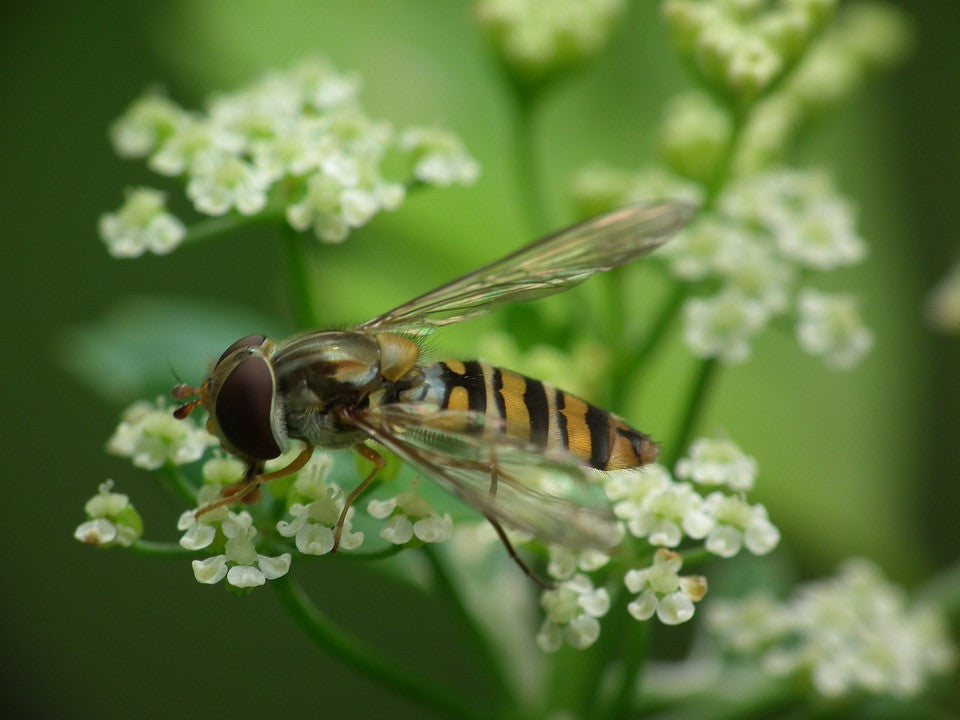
[862, 463]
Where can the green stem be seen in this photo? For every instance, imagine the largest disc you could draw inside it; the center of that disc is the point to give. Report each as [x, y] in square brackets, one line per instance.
[355, 654]
[152, 548]
[628, 360]
[480, 639]
[698, 395]
[635, 644]
[211, 228]
[525, 163]
[301, 268]
[179, 484]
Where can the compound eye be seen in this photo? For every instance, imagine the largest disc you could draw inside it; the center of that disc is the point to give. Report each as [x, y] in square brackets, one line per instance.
[244, 342]
[244, 406]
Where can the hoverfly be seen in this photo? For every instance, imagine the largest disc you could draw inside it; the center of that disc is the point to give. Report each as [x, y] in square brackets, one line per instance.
[488, 435]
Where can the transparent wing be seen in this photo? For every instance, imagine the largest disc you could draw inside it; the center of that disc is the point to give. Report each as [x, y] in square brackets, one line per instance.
[550, 496]
[550, 265]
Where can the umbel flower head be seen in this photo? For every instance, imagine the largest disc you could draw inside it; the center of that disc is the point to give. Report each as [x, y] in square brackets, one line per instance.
[848, 634]
[295, 144]
[111, 519]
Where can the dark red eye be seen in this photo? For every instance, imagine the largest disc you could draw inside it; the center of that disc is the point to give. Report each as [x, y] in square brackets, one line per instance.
[248, 341]
[244, 406]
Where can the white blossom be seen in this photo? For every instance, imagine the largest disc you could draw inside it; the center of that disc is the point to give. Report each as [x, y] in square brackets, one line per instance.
[219, 184]
[150, 436]
[313, 523]
[438, 156]
[240, 562]
[718, 462]
[538, 37]
[830, 326]
[570, 614]
[737, 523]
[409, 516]
[723, 325]
[142, 224]
[849, 634]
[111, 519]
[661, 590]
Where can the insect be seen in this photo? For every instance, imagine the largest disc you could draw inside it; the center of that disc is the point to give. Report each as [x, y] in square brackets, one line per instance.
[516, 449]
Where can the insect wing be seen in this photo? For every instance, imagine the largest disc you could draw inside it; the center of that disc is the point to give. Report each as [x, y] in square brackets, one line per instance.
[549, 496]
[550, 265]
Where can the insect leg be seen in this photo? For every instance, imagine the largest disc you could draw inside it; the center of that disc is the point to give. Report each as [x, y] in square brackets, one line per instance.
[252, 481]
[378, 463]
[502, 534]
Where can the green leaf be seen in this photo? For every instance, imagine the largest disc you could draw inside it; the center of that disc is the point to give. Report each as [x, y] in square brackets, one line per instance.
[138, 348]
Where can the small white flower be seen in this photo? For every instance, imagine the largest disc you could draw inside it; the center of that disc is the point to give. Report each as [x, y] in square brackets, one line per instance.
[852, 633]
[722, 326]
[738, 523]
[196, 143]
[564, 563]
[199, 533]
[538, 37]
[112, 519]
[628, 490]
[571, 612]
[141, 224]
[150, 435]
[718, 462]
[221, 183]
[411, 516]
[240, 562]
[438, 156]
[663, 591]
[830, 326]
[753, 65]
[823, 236]
[666, 515]
[147, 124]
[313, 523]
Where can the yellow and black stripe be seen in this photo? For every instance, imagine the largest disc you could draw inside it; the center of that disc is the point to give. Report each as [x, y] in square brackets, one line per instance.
[546, 417]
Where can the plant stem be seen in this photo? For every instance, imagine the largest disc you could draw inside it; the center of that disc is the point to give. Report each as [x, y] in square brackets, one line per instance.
[214, 227]
[629, 360]
[353, 653]
[152, 548]
[698, 395]
[481, 640]
[525, 162]
[635, 644]
[179, 484]
[301, 267]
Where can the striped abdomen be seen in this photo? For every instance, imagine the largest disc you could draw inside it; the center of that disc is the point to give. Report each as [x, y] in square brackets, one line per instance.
[538, 413]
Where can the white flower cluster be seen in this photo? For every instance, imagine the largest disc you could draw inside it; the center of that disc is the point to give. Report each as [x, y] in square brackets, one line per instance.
[741, 48]
[852, 633]
[770, 230]
[111, 519]
[239, 563]
[151, 436]
[661, 590]
[662, 511]
[315, 518]
[409, 516]
[571, 611]
[536, 38]
[296, 143]
[653, 507]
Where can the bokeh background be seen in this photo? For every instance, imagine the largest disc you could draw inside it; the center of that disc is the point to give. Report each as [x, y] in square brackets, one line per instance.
[862, 463]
